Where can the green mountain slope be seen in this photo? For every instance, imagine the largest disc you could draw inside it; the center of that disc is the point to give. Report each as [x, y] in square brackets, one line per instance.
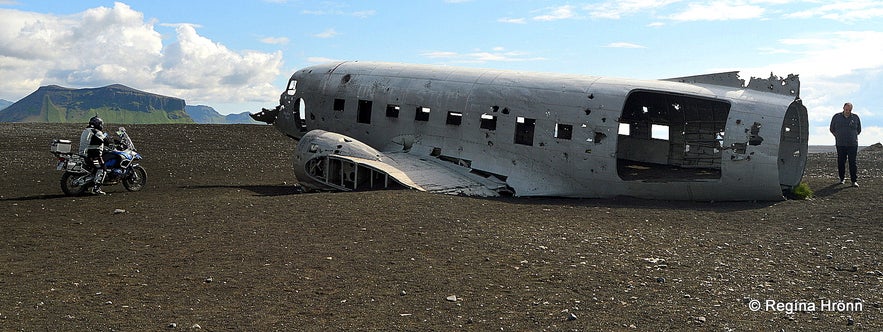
[207, 114]
[113, 103]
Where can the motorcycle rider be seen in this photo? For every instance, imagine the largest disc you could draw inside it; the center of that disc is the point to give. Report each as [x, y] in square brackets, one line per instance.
[92, 142]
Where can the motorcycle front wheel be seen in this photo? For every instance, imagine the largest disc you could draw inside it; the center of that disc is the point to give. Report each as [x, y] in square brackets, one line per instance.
[136, 179]
[69, 186]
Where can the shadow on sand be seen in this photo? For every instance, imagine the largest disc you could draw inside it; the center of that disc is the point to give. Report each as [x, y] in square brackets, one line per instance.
[278, 190]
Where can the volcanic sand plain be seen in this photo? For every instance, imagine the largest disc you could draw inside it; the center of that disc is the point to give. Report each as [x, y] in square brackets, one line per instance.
[220, 239]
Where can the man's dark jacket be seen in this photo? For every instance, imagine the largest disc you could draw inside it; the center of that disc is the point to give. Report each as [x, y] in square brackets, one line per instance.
[845, 129]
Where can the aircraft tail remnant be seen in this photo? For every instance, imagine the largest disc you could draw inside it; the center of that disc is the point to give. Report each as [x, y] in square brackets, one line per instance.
[373, 125]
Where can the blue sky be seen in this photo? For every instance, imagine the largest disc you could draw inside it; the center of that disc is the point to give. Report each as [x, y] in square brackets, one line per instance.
[237, 55]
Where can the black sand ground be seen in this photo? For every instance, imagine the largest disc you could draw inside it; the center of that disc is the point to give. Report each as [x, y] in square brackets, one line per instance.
[220, 241]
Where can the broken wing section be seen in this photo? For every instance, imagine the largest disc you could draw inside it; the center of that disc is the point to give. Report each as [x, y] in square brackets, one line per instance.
[334, 162]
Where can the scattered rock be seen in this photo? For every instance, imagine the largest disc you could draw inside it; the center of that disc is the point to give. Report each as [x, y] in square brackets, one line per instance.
[571, 317]
[874, 147]
[196, 327]
[660, 280]
[172, 325]
[452, 298]
[118, 211]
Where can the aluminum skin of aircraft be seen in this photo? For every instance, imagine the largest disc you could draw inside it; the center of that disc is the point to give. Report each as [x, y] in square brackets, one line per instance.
[488, 132]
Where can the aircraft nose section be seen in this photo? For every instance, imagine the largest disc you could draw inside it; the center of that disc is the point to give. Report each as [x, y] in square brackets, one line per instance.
[266, 115]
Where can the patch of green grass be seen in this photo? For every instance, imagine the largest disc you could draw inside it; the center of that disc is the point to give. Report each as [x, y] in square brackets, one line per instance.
[802, 191]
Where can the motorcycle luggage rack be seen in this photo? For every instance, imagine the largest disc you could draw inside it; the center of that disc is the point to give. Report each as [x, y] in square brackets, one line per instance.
[62, 146]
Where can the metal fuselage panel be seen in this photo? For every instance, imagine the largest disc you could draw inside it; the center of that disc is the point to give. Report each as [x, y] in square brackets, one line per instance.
[561, 135]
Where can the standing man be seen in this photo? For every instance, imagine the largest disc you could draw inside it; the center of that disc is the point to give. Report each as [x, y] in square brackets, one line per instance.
[846, 127]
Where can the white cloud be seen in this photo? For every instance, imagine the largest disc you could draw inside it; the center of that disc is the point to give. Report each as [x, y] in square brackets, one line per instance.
[557, 13]
[329, 33]
[364, 13]
[440, 54]
[834, 67]
[359, 14]
[618, 8]
[275, 40]
[843, 11]
[719, 11]
[196, 63]
[624, 45]
[836, 53]
[870, 135]
[497, 54]
[103, 46]
[176, 25]
[820, 134]
[512, 20]
[321, 60]
[551, 14]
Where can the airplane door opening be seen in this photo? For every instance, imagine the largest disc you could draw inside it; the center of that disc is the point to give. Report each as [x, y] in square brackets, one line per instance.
[302, 114]
[793, 146]
[670, 137]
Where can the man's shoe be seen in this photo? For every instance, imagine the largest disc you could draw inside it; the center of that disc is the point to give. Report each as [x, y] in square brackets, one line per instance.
[842, 181]
[97, 191]
[855, 184]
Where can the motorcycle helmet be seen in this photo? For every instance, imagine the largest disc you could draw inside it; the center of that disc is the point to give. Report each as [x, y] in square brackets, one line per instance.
[96, 122]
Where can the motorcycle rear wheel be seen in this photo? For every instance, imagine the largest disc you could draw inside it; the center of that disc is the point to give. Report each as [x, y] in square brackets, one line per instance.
[68, 185]
[136, 179]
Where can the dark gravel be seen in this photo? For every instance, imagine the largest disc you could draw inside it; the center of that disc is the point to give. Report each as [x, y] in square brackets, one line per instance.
[220, 240]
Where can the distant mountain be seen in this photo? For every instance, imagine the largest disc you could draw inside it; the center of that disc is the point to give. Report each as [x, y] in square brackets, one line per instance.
[114, 103]
[243, 117]
[206, 114]
[5, 103]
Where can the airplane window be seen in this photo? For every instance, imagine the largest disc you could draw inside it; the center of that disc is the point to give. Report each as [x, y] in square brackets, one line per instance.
[292, 87]
[659, 132]
[422, 114]
[488, 122]
[563, 131]
[392, 111]
[454, 118]
[339, 104]
[364, 112]
[524, 129]
[624, 129]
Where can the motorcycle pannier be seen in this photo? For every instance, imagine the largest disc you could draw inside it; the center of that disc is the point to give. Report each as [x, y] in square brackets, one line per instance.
[60, 146]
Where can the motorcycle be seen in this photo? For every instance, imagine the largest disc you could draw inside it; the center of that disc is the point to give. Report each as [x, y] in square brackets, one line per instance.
[120, 158]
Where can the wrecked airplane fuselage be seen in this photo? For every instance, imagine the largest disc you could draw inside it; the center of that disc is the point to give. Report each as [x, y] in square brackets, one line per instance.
[369, 125]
